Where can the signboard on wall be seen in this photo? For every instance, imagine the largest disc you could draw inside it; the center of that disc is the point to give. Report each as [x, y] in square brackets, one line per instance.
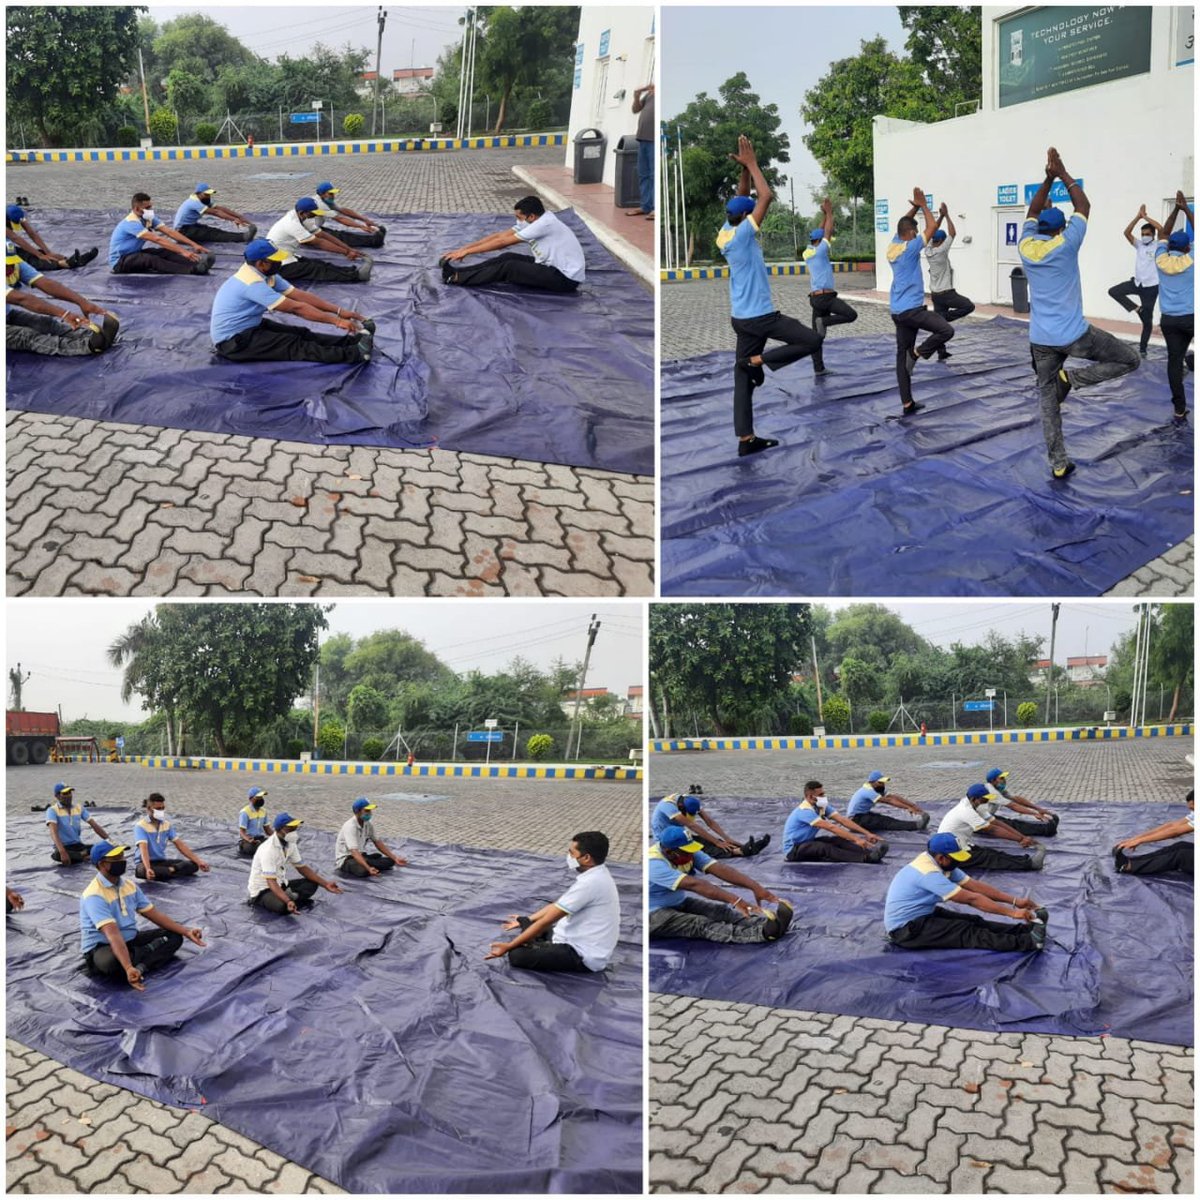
[881, 216]
[604, 39]
[578, 66]
[1006, 193]
[1058, 191]
[1047, 51]
[1185, 24]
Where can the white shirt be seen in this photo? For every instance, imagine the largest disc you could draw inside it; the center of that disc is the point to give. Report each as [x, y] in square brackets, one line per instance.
[963, 820]
[554, 245]
[1145, 273]
[289, 233]
[941, 273]
[593, 921]
[271, 862]
[353, 836]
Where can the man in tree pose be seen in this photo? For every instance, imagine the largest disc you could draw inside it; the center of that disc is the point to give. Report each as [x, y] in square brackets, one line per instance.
[1144, 284]
[827, 308]
[946, 301]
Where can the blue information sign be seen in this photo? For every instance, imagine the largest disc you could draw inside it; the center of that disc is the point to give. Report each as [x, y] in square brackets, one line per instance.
[486, 735]
[309, 118]
[604, 39]
[1010, 233]
[978, 705]
[1058, 193]
[1006, 193]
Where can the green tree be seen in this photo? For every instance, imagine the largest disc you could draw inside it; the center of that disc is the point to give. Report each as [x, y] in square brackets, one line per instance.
[837, 715]
[187, 93]
[1173, 651]
[64, 64]
[860, 681]
[517, 44]
[945, 42]
[163, 125]
[200, 46]
[872, 633]
[149, 672]
[367, 708]
[331, 738]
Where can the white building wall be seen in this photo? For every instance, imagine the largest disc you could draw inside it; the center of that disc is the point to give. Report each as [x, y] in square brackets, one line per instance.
[604, 84]
[1129, 140]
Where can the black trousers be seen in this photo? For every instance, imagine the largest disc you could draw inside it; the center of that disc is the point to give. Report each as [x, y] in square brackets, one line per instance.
[946, 930]
[826, 849]
[519, 269]
[359, 239]
[211, 233]
[148, 950]
[276, 341]
[951, 305]
[167, 868]
[1178, 333]
[908, 327]
[1031, 828]
[753, 333]
[300, 890]
[543, 955]
[1177, 857]
[833, 311]
[247, 849]
[155, 261]
[877, 821]
[985, 858]
[76, 852]
[40, 263]
[1147, 298]
[315, 270]
[379, 861]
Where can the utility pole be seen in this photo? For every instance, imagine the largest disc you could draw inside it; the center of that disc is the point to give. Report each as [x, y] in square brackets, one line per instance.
[795, 235]
[593, 629]
[382, 20]
[316, 701]
[145, 99]
[817, 677]
[1050, 673]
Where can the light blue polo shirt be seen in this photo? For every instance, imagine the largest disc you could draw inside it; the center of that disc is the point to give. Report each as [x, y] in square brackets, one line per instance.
[252, 820]
[862, 801]
[1051, 263]
[128, 237]
[102, 903]
[749, 284]
[190, 211]
[908, 284]
[1175, 280]
[241, 301]
[158, 836]
[916, 890]
[820, 269]
[662, 818]
[799, 828]
[18, 274]
[70, 824]
[665, 878]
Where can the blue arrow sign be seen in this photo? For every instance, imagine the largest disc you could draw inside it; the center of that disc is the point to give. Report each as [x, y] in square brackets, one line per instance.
[486, 735]
[978, 705]
[309, 118]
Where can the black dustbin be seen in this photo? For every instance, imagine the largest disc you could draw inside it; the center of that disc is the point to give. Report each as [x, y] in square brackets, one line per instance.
[1020, 290]
[628, 193]
[589, 156]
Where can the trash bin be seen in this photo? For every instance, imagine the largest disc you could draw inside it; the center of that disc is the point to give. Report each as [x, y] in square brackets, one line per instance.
[589, 156]
[628, 193]
[1020, 290]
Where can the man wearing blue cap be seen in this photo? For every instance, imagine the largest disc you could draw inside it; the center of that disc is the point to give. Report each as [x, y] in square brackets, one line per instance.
[686, 906]
[861, 809]
[108, 912]
[753, 314]
[35, 326]
[362, 232]
[1035, 821]
[30, 245]
[906, 300]
[1173, 256]
[1049, 249]
[252, 823]
[688, 812]
[141, 244]
[915, 920]
[1179, 856]
[975, 815]
[849, 842]
[241, 333]
[827, 308]
[300, 227]
[189, 219]
[350, 855]
[1144, 283]
[65, 821]
[947, 302]
[269, 886]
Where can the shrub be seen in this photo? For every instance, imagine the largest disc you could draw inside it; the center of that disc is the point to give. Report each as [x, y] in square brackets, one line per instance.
[206, 132]
[800, 725]
[127, 136]
[1027, 713]
[353, 124]
[878, 722]
[538, 115]
[539, 746]
[162, 125]
[296, 747]
[372, 748]
[837, 715]
[331, 741]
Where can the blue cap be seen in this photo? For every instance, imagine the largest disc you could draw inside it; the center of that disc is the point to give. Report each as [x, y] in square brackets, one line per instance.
[324, 187]
[1051, 220]
[995, 773]
[256, 791]
[362, 804]
[939, 235]
[947, 843]
[263, 248]
[59, 788]
[15, 212]
[1179, 240]
[815, 235]
[201, 188]
[286, 819]
[739, 206]
[977, 791]
[307, 204]
[877, 777]
[106, 850]
[691, 805]
[679, 838]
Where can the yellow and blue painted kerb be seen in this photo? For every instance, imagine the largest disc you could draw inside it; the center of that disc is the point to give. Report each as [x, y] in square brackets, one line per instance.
[686, 274]
[288, 149]
[1005, 737]
[271, 766]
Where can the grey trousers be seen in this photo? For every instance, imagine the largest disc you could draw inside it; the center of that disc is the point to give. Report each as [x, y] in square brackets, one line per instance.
[1112, 358]
[707, 919]
[37, 333]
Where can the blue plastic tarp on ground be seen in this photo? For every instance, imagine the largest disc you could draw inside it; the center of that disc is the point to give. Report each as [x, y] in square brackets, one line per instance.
[1118, 959]
[496, 370]
[956, 501]
[366, 1038]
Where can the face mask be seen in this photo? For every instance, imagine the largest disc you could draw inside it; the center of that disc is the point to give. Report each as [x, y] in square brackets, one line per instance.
[1146, 241]
[159, 814]
[66, 801]
[311, 224]
[683, 863]
[290, 839]
[257, 802]
[117, 869]
[272, 268]
[147, 214]
[572, 864]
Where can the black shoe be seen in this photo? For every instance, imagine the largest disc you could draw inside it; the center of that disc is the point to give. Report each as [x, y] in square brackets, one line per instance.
[369, 326]
[943, 355]
[251, 232]
[909, 409]
[88, 255]
[365, 345]
[695, 790]
[924, 820]
[364, 265]
[202, 267]
[73, 260]
[1038, 933]
[1179, 417]
[97, 342]
[821, 372]
[109, 325]
[1042, 914]
[1143, 352]
[1062, 385]
[755, 445]
[1063, 472]
[754, 370]
[777, 926]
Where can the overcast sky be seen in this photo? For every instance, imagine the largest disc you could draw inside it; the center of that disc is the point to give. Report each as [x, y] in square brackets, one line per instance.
[783, 51]
[63, 642]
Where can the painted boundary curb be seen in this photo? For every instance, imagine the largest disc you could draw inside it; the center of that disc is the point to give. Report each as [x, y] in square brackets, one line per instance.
[272, 766]
[686, 274]
[1084, 733]
[287, 149]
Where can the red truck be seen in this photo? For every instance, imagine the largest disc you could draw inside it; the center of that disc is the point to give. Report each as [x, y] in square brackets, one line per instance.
[29, 737]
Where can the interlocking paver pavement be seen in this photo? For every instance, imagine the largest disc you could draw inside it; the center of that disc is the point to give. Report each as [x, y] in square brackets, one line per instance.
[745, 1098]
[694, 320]
[68, 1133]
[100, 508]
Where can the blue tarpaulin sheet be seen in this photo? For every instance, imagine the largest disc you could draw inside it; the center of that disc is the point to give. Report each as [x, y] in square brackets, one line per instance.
[1118, 958]
[365, 1038]
[495, 370]
[957, 501]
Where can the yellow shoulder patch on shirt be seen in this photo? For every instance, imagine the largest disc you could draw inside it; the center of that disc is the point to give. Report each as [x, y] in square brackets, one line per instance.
[1037, 250]
[808, 253]
[895, 249]
[725, 237]
[925, 864]
[1173, 264]
[247, 274]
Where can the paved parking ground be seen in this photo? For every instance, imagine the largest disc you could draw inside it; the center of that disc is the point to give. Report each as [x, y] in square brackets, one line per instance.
[100, 508]
[745, 1098]
[68, 1133]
